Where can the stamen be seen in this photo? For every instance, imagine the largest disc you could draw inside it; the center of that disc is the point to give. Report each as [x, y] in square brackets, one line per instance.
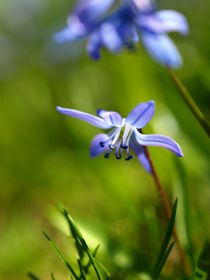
[117, 134]
[106, 155]
[117, 150]
[101, 144]
[111, 135]
[111, 147]
[118, 156]
[124, 147]
[129, 157]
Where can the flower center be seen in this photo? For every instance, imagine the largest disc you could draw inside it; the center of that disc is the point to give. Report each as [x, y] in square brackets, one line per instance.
[118, 140]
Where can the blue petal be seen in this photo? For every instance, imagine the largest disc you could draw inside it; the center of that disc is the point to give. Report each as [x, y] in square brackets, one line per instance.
[91, 119]
[65, 35]
[95, 148]
[172, 21]
[159, 140]
[140, 153]
[94, 46]
[162, 49]
[89, 11]
[141, 114]
[112, 118]
[110, 37]
[149, 22]
[141, 5]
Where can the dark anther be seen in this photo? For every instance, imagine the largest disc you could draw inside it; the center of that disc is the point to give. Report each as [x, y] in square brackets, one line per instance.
[118, 156]
[129, 158]
[101, 144]
[123, 147]
[111, 147]
[106, 155]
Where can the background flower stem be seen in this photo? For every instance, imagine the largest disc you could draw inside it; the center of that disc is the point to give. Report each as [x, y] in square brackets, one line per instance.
[167, 207]
[190, 102]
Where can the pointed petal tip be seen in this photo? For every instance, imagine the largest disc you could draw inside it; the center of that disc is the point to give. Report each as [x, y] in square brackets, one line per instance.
[180, 153]
[98, 111]
[57, 38]
[151, 102]
[62, 36]
[59, 109]
[95, 56]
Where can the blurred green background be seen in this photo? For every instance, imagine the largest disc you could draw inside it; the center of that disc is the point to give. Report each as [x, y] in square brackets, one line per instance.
[45, 155]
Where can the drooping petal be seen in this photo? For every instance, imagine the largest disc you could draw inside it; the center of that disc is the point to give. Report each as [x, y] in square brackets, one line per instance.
[172, 21]
[162, 49]
[110, 37]
[159, 140]
[112, 118]
[91, 119]
[95, 147]
[75, 30]
[94, 46]
[89, 11]
[149, 23]
[140, 153]
[141, 114]
[65, 35]
[162, 21]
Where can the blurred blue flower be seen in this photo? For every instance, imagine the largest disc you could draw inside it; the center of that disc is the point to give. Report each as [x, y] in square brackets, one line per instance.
[125, 133]
[123, 27]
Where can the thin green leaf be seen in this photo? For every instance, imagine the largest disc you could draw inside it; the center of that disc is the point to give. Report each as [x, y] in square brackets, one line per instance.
[62, 256]
[80, 237]
[166, 240]
[94, 253]
[52, 276]
[103, 270]
[162, 261]
[74, 231]
[81, 268]
[32, 276]
[186, 210]
[202, 271]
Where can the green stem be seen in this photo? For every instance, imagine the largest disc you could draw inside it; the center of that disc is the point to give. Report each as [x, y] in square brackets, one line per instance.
[167, 208]
[190, 102]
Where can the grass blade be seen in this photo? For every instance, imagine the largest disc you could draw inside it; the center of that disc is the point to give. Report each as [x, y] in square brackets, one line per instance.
[81, 268]
[87, 266]
[61, 256]
[202, 271]
[82, 241]
[103, 270]
[162, 261]
[32, 276]
[186, 209]
[52, 276]
[164, 250]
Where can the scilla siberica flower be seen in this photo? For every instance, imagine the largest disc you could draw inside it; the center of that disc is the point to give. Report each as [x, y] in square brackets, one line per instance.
[125, 133]
[131, 21]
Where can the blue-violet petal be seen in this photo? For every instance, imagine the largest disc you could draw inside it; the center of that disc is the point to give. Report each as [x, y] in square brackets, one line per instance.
[159, 140]
[162, 49]
[95, 148]
[91, 119]
[141, 114]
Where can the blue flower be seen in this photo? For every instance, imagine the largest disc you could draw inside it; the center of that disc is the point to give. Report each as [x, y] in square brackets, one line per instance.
[122, 28]
[125, 133]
